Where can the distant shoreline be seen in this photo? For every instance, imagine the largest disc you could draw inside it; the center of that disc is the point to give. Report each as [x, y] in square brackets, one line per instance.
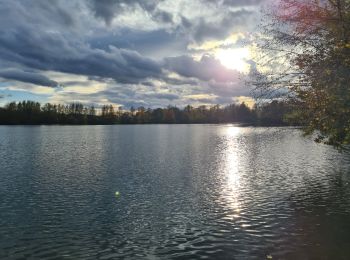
[147, 124]
[34, 113]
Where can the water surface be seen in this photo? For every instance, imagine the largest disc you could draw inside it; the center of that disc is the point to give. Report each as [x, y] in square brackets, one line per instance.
[186, 192]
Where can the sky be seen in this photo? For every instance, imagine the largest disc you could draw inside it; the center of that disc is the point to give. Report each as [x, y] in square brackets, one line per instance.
[150, 53]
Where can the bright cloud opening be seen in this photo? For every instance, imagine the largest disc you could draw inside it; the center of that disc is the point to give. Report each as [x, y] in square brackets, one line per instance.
[235, 59]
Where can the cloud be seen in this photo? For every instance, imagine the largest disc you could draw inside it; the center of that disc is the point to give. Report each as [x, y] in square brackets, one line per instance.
[25, 41]
[63, 14]
[5, 95]
[55, 52]
[242, 2]
[215, 20]
[168, 96]
[206, 69]
[230, 89]
[57, 49]
[235, 2]
[105, 9]
[28, 77]
[163, 17]
[205, 98]
[109, 9]
[121, 51]
[203, 29]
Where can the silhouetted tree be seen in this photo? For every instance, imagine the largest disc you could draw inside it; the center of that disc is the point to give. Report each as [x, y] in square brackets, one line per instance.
[29, 112]
[306, 57]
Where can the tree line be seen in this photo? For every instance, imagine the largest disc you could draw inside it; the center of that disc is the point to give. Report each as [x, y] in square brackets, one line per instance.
[33, 113]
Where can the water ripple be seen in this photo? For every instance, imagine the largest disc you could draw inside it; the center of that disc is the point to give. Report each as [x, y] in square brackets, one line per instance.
[187, 192]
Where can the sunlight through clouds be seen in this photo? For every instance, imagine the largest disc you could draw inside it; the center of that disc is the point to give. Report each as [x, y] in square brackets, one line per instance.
[235, 59]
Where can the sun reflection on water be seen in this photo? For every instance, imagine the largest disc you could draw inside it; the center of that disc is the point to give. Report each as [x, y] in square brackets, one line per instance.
[230, 163]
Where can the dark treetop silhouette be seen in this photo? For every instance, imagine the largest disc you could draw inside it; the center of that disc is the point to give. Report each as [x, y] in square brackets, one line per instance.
[33, 113]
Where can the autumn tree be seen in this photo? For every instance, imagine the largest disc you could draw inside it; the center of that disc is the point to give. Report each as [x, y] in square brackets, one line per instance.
[305, 58]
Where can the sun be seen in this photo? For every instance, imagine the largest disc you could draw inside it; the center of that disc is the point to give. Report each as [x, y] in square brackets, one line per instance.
[235, 59]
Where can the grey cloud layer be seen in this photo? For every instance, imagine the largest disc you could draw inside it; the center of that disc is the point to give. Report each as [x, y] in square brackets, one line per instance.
[28, 77]
[108, 9]
[207, 68]
[234, 2]
[78, 37]
[51, 51]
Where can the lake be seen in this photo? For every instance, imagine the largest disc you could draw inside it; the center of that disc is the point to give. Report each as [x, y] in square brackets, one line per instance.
[186, 192]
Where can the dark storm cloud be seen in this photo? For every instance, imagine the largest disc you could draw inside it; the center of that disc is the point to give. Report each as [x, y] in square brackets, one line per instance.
[51, 51]
[28, 77]
[109, 9]
[163, 17]
[105, 9]
[24, 40]
[62, 14]
[198, 29]
[154, 43]
[39, 14]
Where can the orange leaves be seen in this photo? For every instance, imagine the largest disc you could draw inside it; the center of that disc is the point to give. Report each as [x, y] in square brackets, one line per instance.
[306, 16]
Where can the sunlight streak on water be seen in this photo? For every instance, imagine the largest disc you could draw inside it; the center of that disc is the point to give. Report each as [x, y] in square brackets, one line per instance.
[230, 170]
